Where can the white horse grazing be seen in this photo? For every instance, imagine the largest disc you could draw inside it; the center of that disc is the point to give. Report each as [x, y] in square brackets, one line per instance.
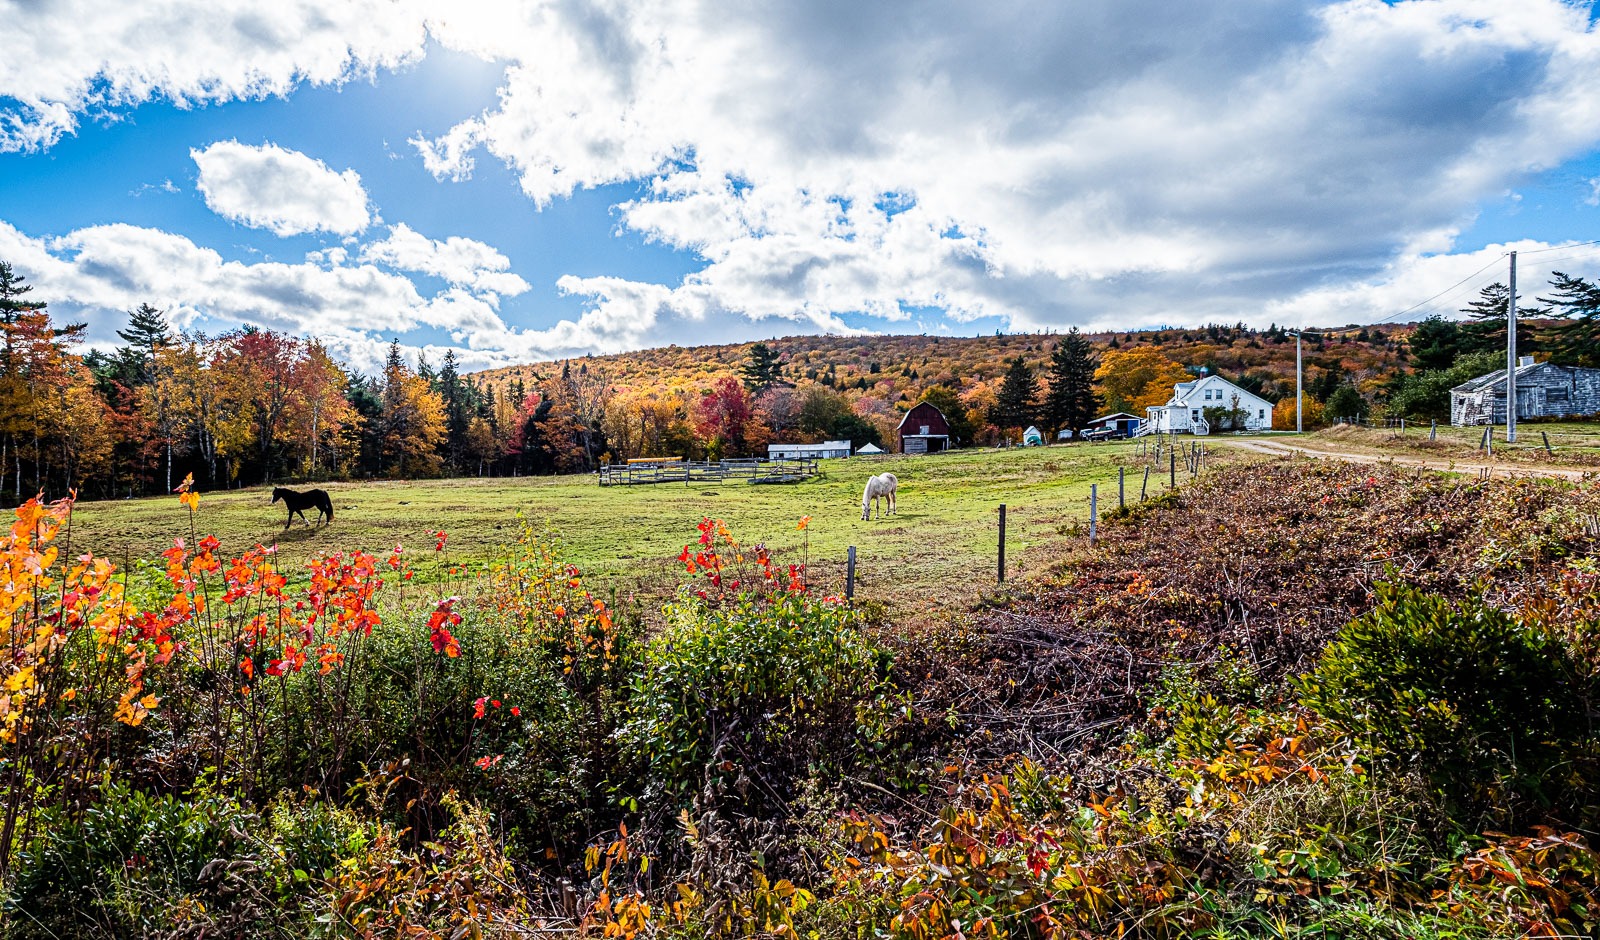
[882, 487]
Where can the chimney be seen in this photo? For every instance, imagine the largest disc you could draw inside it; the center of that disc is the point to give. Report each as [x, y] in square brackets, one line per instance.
[1524, 361]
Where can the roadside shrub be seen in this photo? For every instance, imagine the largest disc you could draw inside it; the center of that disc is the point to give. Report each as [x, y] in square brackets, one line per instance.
[1480, 703]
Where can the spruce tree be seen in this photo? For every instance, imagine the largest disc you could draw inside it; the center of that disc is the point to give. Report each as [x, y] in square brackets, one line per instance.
[762, 370]
[1071, 402]
[1017, 399]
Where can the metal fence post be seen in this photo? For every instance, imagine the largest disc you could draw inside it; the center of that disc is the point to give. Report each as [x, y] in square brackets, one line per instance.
[1121, 501]
[1094, 509]
[850, 575]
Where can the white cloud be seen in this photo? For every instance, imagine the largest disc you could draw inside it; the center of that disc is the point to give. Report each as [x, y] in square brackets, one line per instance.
[354, 308]
[283, 191]
[461, 261]
[68, 58]
[1107, 162]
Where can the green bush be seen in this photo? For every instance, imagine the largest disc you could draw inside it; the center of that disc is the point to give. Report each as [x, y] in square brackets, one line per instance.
[764, 678]
[136, 864]
[1484, 706]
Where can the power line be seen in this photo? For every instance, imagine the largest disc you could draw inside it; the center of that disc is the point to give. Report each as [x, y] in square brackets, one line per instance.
[1447, 290]
[1537, 251]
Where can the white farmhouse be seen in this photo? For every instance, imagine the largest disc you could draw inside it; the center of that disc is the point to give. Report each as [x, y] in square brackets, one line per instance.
[1185, 411]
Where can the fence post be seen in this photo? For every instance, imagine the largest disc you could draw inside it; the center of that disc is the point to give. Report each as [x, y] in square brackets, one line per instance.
[1172, 471]
[1146, 484]
[1094, 510]
[1002, 575]
[850, 575]
[1121, 501]
[1433, 430]
[1547, 450]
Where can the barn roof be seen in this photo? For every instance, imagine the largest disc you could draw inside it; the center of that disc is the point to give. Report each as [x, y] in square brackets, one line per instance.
[1498, 377]
[1112, 417]
[907, 416]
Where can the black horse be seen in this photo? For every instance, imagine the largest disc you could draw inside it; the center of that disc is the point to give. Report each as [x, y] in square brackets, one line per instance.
[299, 502]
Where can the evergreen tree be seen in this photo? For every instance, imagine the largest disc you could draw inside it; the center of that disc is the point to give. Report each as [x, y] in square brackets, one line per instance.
[13, 292]
[1435, 343]
[147, 332]
[459, 407]
[1017, 399]
[1345, 402]
[761, 370]
[1576, 340]
[1485, 330]
[1071, 402]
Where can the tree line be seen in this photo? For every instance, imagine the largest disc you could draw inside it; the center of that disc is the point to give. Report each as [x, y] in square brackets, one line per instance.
[253, 406]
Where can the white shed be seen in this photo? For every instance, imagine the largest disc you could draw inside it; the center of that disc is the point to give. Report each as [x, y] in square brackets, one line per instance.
[826, 449]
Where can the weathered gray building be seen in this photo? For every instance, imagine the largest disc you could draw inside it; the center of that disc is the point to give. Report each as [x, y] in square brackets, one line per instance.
[1543, 391]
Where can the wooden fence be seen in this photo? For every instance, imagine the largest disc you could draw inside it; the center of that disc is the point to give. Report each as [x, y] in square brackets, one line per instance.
[751, 470]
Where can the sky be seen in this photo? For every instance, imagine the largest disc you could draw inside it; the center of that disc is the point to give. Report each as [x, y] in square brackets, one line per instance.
[527, 181]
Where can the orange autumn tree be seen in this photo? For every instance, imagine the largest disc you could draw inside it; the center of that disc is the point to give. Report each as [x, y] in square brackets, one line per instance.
[1134, 379]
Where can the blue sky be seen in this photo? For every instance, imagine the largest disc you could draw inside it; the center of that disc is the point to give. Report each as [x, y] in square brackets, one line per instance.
[539, 180]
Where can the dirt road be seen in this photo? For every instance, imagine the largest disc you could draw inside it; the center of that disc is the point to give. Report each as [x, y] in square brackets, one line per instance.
[1284, 448]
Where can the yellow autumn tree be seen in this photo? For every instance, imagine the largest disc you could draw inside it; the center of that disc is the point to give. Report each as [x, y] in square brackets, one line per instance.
[1134, 379]
[81, 429]
[325, 424]
[1311, 414]
[411, 427]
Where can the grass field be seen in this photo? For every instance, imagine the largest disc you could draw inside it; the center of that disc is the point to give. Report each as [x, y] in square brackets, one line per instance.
[939, 549]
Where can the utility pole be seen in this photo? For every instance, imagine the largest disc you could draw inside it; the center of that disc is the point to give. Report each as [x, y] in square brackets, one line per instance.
[1297, 399]
[1511, 356]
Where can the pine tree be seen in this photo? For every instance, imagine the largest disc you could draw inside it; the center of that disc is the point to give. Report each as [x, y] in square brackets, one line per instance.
[1575, 341]
[1485, 331]
[147, 332]
[762, 370]
[1017, 399]
[1071, 402]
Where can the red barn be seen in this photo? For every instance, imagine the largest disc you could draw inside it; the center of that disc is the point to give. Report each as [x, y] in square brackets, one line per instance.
[924, 430]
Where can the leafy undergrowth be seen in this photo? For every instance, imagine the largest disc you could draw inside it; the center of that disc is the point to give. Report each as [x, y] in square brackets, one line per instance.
[1291, 700]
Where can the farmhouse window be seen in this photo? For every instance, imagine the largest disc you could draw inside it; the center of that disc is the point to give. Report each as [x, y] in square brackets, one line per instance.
[924, 429]
[1555, 394]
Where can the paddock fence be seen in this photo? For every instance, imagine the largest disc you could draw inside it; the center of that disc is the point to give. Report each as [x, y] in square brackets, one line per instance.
[750, 470]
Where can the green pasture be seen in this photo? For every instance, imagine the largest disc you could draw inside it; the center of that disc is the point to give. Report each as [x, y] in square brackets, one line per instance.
[938, 549]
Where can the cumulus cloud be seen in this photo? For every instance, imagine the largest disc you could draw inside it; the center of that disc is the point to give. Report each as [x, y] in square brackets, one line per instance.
[460, 261]
[69, 58]
[1104, 163]
[1121, 160]
[283, 191]
[353, 307]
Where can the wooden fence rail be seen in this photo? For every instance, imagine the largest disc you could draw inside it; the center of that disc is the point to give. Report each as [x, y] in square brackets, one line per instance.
[750, 470]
